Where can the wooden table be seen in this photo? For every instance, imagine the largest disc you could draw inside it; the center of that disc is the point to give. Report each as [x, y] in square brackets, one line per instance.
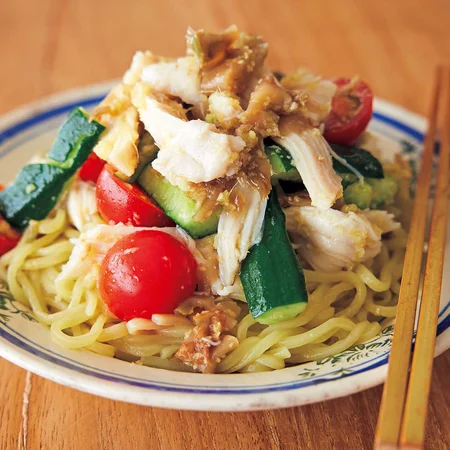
[50, 45]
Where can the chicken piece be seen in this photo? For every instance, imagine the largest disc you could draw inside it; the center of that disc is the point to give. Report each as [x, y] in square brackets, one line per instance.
[380, 146]
[82, 205]
[267, 102]
[224, 110]
[180, 78]
[118, 145]
[312, 95]
[240, 227]
[200, 349]
[208, 272]
[382, 220]
[237, 68]
[332, 240]
[195, 304]
[92, 246]
[190, 152]
[139, 61]
[300, 198]
[311, 155]
[211, 48]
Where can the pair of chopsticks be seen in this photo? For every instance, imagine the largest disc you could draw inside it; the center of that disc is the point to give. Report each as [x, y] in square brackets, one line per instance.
[402, 418]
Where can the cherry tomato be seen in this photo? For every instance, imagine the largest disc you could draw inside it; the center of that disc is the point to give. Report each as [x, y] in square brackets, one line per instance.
[118, 201]
[9, 237]
[351, 111]
[145, 273]
[92, 167]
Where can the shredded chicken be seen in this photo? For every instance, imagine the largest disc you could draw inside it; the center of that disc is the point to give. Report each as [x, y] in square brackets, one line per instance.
[82, 205]
[208, 272]
[118, 145]
[332, 240]
[92, 245]
[311, 155]
[300, 198]
[195, 304]
[211, 48]
[239, 229]
[234, 62]
[190, 151]
[180, 78]
[267, 102]
[140, 60]
[200, 348]
[382, 220]
[313, 95]
[224, 110]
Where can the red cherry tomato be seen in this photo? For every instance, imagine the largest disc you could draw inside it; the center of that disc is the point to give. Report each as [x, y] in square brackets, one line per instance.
[145, 273]
[92, 167]
[118, 201]
[351, 111]
[8, 237]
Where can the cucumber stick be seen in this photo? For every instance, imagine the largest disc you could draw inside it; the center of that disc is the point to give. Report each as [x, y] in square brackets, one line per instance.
[176, 204]
[283, 167]
[75, 141]
[38, 187]
[273, 280]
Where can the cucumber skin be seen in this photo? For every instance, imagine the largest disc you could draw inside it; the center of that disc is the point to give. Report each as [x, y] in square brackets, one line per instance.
[180, 208]
[73, 145]
[281, 162]
[18, 206]
[283, 167]
[271, 273]
[75, 141]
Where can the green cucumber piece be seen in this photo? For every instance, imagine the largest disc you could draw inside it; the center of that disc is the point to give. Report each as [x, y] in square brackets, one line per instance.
[272, 278]
[373, 193]
[33, 194]
[147, 153]
[362, 160]
[75, 141]
[359, 194]
[38, 187]
[180, 208]
[283, 167]
[383, 191]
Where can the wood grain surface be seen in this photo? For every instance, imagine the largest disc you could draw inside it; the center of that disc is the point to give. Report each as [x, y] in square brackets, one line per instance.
[50, 45]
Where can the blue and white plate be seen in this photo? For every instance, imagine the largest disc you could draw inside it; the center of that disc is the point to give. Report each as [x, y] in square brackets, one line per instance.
[23, 341]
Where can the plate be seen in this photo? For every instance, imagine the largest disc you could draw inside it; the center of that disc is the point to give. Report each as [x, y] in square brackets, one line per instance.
[25, 342]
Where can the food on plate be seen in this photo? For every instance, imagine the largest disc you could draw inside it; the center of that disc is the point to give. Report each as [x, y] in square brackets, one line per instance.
[211, 215]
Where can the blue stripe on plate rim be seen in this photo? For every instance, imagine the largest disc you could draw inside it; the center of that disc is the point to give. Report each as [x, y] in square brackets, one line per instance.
[26, 344]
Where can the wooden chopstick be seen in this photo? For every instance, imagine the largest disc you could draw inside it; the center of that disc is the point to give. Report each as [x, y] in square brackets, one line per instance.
[394, 393]
[414, 417]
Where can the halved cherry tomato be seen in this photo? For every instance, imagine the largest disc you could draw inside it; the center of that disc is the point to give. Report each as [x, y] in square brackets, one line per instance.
[92, 167]
[118, 201]
[145, 273]
[9, 237]
[351, 111]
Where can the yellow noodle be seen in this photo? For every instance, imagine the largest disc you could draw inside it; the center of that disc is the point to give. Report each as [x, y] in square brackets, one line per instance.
[169, 351]
[280, 352]
[168, 364]
[243, 327]
[57, 327]
[372, 330]
[341, 345]
[343, 310]
[315, 333]
[113, 332]
[271, 361]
